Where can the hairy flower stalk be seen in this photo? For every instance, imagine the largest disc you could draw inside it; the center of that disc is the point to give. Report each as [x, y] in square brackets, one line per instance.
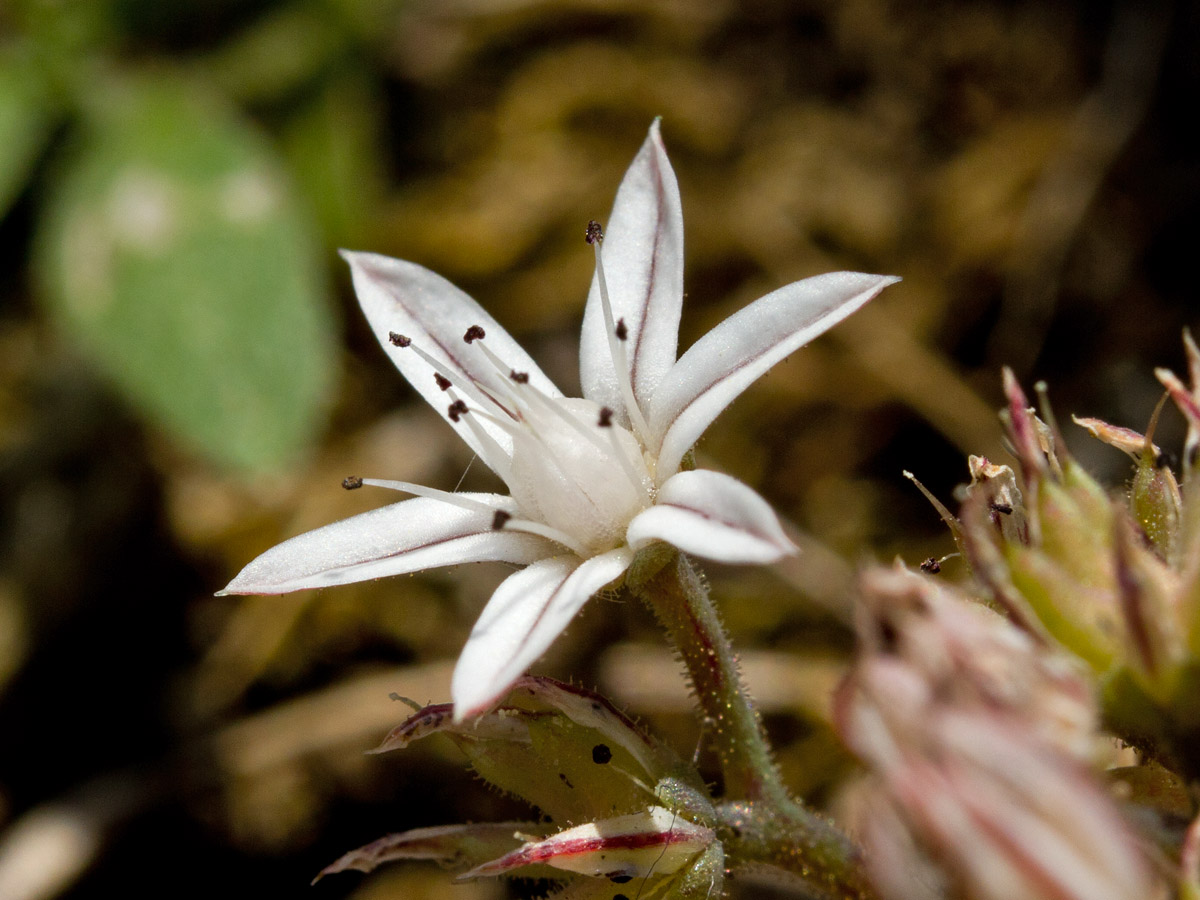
[765, 827]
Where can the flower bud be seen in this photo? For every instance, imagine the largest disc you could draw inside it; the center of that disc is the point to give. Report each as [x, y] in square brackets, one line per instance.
[978, 740]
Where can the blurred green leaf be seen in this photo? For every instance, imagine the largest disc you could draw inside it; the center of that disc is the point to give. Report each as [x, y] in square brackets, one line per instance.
[175, 253]
[26, 117]
[279, 52]
[334, 146]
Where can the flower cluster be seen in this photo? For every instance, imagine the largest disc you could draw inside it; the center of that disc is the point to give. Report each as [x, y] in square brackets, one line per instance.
[981, 730]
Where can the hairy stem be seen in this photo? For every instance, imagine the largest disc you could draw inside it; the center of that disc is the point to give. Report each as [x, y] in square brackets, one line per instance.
[765, 826]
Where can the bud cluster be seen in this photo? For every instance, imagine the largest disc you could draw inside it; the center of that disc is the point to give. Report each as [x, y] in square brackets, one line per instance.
[981, 727]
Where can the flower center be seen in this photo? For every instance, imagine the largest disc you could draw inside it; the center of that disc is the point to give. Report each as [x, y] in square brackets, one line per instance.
[577, 475]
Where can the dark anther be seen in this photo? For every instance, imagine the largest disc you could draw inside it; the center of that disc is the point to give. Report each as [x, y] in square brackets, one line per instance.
[606, 415]
[499, 519]
[457, 408]
[621, 331]
[352, 482]
[519, 377]
[594, 232]
[931, 565]
[620, 897]
[1166, 460]
[601, 754]
[442, 381]
[399, 340]
[620, 878]
[1003, 508]
[474, 333]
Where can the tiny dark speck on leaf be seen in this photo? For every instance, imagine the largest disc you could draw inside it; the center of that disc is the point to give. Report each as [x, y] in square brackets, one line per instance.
[601, 754]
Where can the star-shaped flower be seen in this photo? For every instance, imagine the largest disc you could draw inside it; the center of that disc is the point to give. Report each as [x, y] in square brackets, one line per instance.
[591, 480]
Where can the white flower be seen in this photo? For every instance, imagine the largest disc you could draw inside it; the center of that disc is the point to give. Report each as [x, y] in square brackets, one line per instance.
[591, 480]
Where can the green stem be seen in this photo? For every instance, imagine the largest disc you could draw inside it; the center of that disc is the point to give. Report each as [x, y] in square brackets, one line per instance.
[765, 826]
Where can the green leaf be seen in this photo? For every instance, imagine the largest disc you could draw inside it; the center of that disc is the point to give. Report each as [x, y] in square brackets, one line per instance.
[175, 254]
[26, 117]
[334, 144]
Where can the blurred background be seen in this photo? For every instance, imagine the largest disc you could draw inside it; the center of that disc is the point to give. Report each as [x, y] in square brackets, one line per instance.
[185, 379]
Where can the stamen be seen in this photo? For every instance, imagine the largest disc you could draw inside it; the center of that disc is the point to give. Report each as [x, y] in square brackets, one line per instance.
[442, 381]
[474, 333]
[467, 386]
[519, 377]
[621, 331]
[500, 460]
[616, 347]
[534, 397]
[505, 381]
[594, 233]
[606, 415]
[399, 340]
[420, 490]
[499, 519]
[352, 482]
[456, 410]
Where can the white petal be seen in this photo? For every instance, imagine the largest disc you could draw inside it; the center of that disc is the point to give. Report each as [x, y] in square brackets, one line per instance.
[712, 515]
[643, 266]
[527, 612]
[406, 299]
[723, 363]
[405, 537]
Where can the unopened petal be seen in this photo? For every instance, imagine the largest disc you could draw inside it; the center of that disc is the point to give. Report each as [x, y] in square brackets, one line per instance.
[643, 264]
[409, 301]
[656, 841]
[723, 363]
[408, 536]
[712, 515]
[523, 617]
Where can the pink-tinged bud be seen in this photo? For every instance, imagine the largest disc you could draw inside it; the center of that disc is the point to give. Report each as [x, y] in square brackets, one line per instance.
[1157, 505]
[656, 841]
[1189, 863]
[1188, 402]
[1028, 441]
[1148, 590]
[970, 657]
[978, 740]
[1154, 497]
